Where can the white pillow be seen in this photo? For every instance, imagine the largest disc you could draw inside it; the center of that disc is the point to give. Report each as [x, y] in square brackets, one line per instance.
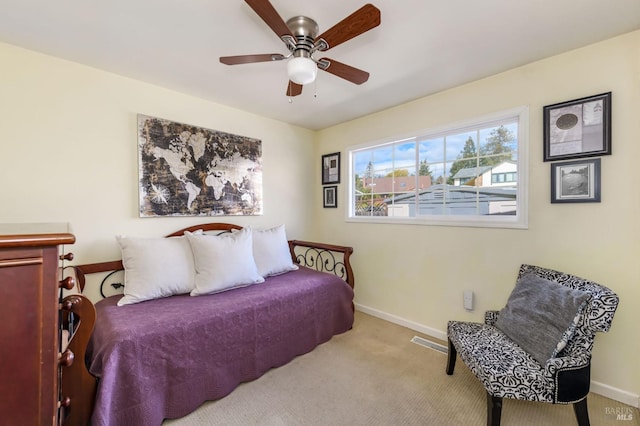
[155, 267]
[271, 251]
[223, 262]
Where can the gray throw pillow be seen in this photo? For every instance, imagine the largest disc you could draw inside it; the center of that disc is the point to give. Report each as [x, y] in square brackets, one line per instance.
[541, 315]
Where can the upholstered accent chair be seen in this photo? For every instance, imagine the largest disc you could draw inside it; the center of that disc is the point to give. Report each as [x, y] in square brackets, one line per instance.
[538, 347]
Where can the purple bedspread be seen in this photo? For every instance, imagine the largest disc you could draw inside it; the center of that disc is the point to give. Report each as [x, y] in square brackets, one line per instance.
[163, 358]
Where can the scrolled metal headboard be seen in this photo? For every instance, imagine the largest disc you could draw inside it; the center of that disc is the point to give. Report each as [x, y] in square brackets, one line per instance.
[319, 256]
[322, 257]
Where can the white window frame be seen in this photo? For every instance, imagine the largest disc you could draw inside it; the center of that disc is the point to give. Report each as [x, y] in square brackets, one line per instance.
[518, 221]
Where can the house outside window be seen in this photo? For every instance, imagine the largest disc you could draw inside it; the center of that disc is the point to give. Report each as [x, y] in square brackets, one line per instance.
[468, 174]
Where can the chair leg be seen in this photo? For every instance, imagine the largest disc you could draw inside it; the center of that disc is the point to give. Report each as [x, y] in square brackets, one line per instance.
[451, 358]
[582, 415]
[494, 410]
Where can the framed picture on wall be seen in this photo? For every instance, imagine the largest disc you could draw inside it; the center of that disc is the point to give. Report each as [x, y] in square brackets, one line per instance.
[331, 168]
[578, 128]
[576, 181]
[176, 179]
[330, 196]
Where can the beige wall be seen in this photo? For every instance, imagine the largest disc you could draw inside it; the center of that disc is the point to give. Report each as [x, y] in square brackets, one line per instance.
[416, 274]
[68, 152]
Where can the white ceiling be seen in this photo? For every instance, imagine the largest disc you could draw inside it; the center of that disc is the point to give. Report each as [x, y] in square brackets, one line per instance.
[421, 47]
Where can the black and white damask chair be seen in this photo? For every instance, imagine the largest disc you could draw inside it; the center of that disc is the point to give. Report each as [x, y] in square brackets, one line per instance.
[538, 347]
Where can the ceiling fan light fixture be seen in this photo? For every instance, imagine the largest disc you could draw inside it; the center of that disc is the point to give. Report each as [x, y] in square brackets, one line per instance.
[302, 70]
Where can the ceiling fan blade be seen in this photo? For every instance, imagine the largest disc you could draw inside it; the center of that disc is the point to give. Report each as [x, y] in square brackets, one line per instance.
[294, 89]
[248, 59]
[360, 21]
[345, 71]
[270, 16]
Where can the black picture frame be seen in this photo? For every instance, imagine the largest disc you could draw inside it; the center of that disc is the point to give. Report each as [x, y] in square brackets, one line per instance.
[331, 168]
[576, 181]
[577, 129]
[330, 196]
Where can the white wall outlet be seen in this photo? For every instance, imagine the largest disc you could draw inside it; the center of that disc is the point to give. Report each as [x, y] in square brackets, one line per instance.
[467, 297]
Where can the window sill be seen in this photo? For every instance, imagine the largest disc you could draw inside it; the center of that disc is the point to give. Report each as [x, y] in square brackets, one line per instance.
[488, 222]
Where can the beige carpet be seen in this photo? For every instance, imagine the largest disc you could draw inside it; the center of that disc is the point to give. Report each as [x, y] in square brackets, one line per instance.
[375, 375]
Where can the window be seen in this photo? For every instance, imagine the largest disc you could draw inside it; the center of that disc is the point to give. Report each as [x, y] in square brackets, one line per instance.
[503, 177]
[471, 174]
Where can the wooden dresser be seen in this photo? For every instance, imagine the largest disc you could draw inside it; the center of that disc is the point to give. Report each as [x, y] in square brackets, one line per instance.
[30, 290]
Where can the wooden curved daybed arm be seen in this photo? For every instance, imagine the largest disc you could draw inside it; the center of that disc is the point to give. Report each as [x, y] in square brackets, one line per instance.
[78, 386]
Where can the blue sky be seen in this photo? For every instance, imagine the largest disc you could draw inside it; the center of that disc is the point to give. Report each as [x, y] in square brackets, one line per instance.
[402, 155]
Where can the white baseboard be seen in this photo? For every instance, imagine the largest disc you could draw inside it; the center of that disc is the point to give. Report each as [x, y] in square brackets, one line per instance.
[616, 394]
[403, 322]
[596, 387]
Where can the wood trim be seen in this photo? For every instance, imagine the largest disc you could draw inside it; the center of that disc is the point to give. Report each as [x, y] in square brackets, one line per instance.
[21, 262]
[35, 240]
[216, 226]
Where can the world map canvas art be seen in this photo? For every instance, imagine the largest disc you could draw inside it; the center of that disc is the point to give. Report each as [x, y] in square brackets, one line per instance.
[191, 171]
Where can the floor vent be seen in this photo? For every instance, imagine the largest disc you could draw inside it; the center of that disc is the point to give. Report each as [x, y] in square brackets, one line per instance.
[429, 344]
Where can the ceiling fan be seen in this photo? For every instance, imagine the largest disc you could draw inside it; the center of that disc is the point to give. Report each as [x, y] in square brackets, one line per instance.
[300, 35]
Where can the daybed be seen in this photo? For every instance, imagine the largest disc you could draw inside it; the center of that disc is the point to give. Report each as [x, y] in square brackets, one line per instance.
[163, 358]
